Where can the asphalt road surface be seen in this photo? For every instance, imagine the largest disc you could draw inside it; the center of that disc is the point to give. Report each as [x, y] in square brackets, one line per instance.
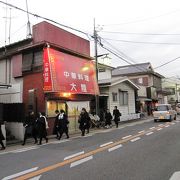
[141, 150]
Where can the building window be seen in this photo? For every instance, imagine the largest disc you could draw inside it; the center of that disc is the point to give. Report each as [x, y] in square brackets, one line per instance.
[102, 70]
[123, 98]
[54, 105]
[140, 80]
[114, 97]
[27, 62]
[32, 61]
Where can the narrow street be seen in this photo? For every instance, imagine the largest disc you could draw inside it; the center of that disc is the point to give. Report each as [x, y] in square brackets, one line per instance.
[141, 150]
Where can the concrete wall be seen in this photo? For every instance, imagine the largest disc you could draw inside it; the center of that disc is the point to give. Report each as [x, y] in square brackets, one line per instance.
[16, 129]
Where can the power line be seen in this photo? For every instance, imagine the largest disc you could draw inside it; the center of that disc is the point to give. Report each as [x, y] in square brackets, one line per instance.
[144, 34]
[167, 63]
[120, 52]
[144, 19]
[123, 59]
[47, 19]
[142, 42]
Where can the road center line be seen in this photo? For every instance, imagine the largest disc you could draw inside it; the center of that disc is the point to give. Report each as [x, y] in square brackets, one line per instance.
[77, 158]
[125, 137]
[141, 131]
[135, 139]
[81, 161]
[102, 145]
[20, 173]
[152, 128]
[166, 126]
[74, 155]
[159, 129]
[115, 147]
[149, 133]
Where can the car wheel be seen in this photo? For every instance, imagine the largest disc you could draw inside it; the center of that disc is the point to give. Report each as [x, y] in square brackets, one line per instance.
[170, 119]
[175, 117]
[155, 120]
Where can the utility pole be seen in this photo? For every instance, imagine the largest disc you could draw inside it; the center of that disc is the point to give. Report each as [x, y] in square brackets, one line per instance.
[29, 34]
[96, 61]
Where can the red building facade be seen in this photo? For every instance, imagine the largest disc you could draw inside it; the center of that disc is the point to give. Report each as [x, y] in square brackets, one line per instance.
[57, 72]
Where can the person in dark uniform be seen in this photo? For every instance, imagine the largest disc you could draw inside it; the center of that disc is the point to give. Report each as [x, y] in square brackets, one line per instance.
[63, 124]
[116, 115]
[55, 128]
[30, 128]
[1, 139]
[41, 126]
[108, 118]
[83, 121]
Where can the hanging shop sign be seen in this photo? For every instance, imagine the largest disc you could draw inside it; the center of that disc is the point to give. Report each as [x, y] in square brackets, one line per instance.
[68, 74]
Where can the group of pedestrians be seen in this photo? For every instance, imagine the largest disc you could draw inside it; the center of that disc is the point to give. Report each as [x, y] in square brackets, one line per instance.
[37, 127]
[109, 117]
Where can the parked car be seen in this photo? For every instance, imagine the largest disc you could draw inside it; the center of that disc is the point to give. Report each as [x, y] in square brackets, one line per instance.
[164, 112]
[178, 108]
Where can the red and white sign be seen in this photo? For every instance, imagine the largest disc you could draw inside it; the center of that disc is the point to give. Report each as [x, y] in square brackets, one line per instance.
[68, 74]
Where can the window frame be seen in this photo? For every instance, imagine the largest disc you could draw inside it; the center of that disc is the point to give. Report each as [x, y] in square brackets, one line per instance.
[123, 98]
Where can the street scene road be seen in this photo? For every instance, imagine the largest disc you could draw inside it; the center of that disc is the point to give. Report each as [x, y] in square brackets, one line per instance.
[141, 150]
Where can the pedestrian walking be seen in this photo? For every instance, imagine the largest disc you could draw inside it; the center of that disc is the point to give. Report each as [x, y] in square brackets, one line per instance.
[63, 124]
[42, 126]
[30, 128]
[1, 139]
[55, 128]
[83, 121]
[108, 118]
[116, 115]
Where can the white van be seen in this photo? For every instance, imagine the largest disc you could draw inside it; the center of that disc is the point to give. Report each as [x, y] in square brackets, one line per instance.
[164, 112]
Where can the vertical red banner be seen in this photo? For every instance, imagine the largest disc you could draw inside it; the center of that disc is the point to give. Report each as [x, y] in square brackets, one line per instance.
[47, 71]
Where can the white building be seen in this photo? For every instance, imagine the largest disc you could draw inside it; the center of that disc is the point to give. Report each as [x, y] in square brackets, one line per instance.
[117, 91]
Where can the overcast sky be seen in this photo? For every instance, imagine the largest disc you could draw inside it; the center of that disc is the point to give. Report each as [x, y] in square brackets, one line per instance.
[127, 16]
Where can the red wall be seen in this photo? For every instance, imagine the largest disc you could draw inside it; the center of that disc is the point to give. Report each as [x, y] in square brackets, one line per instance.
[34, 81]
[45, 31]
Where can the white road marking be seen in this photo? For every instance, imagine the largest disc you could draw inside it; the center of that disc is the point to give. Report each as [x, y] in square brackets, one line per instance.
[152, 128]
[115, 147]
[74, 155]
[25, 149]
[166, 126]
[36, 178]
[159, 129]
[149, 133]
[175, 176]
[160, 125]
[125, 137]
[81, 161]
[141, 132]
[135, 139]
[172, 123]
[20, 173]
[88, 135]
[102, 145]
[59, 141]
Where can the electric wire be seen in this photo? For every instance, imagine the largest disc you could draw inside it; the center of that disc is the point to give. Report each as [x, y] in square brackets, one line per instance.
[144, 19]
[168, 62]
[142, 42]
[41, 17]
[144, 34]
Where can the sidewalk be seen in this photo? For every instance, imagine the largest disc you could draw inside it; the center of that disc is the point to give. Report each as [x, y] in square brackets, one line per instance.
[16, 144]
